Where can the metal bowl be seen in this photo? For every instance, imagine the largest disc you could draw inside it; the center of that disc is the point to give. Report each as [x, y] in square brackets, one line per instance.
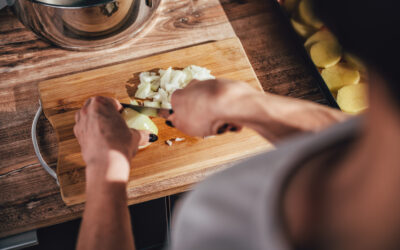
[85, 24]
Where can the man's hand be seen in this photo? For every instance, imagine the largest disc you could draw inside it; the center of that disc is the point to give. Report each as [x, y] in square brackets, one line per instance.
[105, 138]
[107, 145]
[204, 108]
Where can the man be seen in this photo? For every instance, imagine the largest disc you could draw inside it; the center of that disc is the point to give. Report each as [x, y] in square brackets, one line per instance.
[329, 187]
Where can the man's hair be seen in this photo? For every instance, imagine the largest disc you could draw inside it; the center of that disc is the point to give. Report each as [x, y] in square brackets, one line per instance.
[369, 29]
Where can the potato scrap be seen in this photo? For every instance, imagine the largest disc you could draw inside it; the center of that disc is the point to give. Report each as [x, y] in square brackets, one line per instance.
[168, 142]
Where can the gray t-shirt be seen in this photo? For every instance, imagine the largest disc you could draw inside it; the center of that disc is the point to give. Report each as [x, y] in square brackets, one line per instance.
[239, 208]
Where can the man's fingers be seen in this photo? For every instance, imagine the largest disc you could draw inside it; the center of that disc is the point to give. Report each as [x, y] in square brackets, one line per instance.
[108, 101]
[194, 81]
[87, 102]
[77, 116]
[235, 128]
[143, 137]
[118, 105]
[175, 96]
[76, 130]
[170, 120]
[85, 106]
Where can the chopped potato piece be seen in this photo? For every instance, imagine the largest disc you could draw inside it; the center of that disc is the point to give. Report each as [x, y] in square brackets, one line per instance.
[151, 104]
[353, 61]
[302, 29]
[143, 91]
[134, 102]
[168, 142]
[160, 86]
[321, 35]
[139, 121]
[290, 5]
[306, 14]
[353, 98]
[340, 75]
[325, 54]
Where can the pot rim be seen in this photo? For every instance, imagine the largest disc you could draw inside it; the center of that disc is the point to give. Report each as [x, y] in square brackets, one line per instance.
[77, 4]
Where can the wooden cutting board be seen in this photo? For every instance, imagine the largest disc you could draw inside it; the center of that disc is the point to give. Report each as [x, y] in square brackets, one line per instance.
[158, 167]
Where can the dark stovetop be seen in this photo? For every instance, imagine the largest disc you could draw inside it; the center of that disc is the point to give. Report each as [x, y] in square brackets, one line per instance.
[150, 222]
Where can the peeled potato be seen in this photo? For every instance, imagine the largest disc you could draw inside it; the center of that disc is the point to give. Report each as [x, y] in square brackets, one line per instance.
[325, 54]
[322, 35]
[340, 75]
[353, 61]
[139, 121]
[302, 29]
[353, 98]
[306, 14]
[290, 5]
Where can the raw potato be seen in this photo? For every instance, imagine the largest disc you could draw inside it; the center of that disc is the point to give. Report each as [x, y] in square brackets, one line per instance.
[306, 14]
[302, 29]
[325, 54]
[340, 75]
[353, 98]
[139, 121]
[322, 35]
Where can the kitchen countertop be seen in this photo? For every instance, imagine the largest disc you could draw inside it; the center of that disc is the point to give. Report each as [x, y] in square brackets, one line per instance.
[29, 197]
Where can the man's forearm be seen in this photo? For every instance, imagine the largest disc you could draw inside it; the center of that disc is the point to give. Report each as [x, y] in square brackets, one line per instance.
[106, 221]
[276, 117]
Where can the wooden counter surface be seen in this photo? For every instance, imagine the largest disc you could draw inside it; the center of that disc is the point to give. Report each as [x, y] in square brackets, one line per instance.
[29, 197]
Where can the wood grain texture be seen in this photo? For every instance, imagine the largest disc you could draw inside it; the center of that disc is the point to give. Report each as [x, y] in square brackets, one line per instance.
[266, 37]
[175, 24]
[61, 97]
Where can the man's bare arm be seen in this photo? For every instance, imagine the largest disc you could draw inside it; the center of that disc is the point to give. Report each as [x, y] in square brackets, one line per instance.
[215, 106]
[106, 221]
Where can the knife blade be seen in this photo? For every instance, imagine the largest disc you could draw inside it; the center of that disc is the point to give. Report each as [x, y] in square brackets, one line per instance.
[149, 111]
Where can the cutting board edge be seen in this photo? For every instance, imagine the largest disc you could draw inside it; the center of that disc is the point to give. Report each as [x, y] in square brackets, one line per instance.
[248, 61]
[210, 169]
[234, 37]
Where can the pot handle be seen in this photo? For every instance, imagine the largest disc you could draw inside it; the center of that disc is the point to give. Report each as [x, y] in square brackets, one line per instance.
[36, 146]
[5, 3]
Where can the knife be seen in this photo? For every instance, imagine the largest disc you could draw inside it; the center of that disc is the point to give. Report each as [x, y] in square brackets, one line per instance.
[149, 111]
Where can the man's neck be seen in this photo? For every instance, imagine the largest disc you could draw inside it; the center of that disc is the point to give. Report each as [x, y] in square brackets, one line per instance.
[362, 195]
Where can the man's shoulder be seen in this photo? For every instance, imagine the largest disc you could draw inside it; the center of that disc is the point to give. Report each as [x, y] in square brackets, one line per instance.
[233, 205]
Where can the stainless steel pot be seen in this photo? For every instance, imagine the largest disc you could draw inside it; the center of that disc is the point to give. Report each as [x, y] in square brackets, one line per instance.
[84, 24]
